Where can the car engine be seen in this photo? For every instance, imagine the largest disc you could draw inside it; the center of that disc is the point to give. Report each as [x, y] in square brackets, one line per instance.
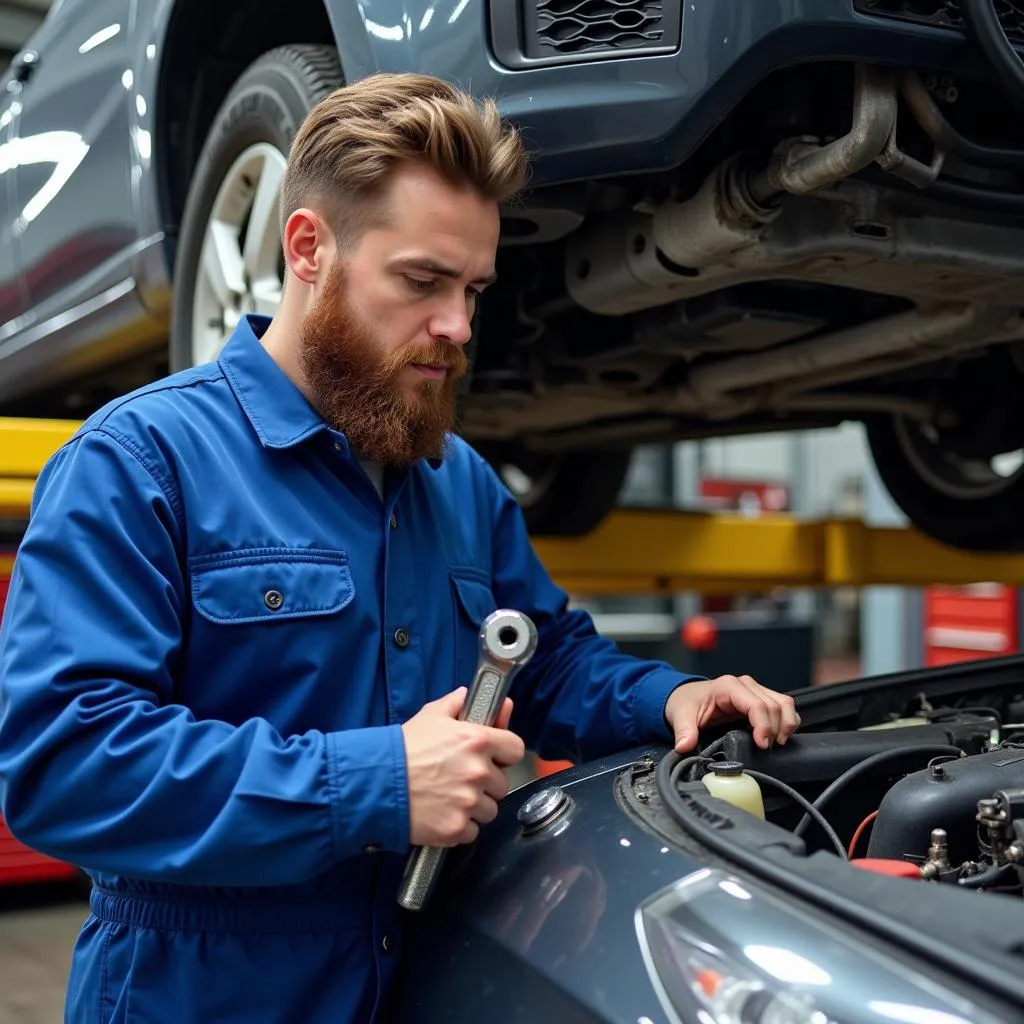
[938, 796]
[961, 820]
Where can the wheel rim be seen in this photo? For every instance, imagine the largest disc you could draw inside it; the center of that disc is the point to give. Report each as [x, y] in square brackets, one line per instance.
[240, 263]
[956, 476]
[530, 479]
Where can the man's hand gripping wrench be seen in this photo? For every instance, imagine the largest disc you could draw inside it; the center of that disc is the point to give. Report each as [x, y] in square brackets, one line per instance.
[507, 642]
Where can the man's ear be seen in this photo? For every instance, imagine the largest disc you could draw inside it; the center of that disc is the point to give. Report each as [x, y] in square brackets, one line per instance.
[307, 243]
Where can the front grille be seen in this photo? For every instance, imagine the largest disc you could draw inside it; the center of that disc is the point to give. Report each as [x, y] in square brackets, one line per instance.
[945, 13]
[579, 29]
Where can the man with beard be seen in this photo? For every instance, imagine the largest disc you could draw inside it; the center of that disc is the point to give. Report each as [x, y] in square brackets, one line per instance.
[246, 607]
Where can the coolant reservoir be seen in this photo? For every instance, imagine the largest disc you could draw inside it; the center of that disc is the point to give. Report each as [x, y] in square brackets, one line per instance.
[728, 781]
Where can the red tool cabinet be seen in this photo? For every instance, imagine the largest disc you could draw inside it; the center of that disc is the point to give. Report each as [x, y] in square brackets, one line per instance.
[969, 622]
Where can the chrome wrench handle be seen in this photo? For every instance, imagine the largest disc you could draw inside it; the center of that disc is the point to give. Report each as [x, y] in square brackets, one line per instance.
[507, 641]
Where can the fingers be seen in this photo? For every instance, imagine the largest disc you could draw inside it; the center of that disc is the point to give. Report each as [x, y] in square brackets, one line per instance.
[764, 714]
[448, 706]
[505, 715]
[486, 810]
[772, 715]
[467, 835]
[495, 785]
[790, 716]
[506, 748]
[759, 715]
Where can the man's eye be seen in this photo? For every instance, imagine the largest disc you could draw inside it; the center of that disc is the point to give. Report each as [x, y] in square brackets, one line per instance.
[420, 285]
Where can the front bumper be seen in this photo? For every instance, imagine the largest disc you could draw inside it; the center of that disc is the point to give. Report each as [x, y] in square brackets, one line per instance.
[593, 115]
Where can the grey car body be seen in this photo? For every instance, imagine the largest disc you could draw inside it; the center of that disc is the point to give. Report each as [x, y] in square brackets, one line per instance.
[743, 217]
[618, 910]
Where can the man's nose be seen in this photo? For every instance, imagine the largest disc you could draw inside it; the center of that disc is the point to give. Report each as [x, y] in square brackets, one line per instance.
[452, 323]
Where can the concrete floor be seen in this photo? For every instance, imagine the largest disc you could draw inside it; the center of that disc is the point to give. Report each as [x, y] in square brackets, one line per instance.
[38, 928]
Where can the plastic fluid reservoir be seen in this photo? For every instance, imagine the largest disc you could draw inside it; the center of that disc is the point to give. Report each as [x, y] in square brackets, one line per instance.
[728, 781]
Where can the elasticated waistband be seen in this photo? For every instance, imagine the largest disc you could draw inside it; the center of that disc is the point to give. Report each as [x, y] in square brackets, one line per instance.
[245, 915]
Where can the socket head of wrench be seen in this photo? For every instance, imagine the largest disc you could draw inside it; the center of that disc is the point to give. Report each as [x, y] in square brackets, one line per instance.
[508, 637]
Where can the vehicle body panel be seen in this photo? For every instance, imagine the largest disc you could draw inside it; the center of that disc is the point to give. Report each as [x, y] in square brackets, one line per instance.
[631, 113]
[13, 300]
[551, 919]
[73, 176]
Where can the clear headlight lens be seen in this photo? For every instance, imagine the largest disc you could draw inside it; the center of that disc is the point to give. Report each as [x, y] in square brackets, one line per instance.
[724, 951]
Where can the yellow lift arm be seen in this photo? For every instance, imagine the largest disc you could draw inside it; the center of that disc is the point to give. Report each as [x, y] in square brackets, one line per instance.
[640, 551]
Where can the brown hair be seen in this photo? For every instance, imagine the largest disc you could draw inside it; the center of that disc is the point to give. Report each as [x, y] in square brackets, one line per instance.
[351, 141]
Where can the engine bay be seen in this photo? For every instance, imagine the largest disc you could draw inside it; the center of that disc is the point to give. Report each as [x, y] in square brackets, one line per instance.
[935, 794]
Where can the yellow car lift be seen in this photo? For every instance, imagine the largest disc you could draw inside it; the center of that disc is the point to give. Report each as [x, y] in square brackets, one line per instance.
[641, 551]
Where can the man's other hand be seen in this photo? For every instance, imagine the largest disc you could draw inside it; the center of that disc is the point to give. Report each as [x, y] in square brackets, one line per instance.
[692, 706]
[455, 771]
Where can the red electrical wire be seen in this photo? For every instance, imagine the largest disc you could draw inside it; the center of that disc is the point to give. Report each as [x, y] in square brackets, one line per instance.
[860, 831]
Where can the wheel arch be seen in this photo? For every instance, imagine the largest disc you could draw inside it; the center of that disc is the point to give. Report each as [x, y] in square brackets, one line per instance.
[205, 48]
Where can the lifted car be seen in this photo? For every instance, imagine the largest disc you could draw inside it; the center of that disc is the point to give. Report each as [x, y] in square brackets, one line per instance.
[879, 881]
[743, 217]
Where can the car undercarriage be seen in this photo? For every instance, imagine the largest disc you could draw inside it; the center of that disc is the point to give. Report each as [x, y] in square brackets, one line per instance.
[798, 272]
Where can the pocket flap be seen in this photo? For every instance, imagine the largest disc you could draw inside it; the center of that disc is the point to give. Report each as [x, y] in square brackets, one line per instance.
[475, 598]
[269, 584]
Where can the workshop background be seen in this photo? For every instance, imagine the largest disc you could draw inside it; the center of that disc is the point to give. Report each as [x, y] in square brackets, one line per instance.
[788, 638]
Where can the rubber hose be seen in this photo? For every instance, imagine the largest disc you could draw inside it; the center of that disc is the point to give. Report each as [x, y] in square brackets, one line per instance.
[803, 802]
[988, 877]
[983, 24]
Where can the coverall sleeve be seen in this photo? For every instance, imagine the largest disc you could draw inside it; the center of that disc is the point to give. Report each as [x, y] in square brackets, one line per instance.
[98, 764]
[579, 697]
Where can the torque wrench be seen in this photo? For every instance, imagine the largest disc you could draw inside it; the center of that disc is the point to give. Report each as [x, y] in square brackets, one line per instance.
[507, 642]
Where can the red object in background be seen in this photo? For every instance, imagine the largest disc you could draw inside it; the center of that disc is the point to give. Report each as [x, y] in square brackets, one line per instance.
[545, 768]
[966, 623]
[699, 633]
[751, 496]
[19, 864]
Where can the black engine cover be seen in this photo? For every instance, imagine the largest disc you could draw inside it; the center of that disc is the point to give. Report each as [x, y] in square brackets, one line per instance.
[919, 802]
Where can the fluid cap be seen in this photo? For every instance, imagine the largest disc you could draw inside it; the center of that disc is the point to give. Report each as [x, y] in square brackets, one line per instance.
[727, 767]
[543, 808]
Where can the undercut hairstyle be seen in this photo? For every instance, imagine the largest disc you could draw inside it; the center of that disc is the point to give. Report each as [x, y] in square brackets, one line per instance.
[348, 146]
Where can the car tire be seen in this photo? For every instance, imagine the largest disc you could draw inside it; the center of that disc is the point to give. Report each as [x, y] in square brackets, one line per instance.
[562, 495]
[941, 496]
[253, 129]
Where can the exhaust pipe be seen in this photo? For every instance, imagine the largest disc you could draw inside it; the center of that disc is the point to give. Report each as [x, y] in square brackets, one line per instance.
[731, 206]
[807, 359]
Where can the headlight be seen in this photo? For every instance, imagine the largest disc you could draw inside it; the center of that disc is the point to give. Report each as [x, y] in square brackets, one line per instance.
[724, 951]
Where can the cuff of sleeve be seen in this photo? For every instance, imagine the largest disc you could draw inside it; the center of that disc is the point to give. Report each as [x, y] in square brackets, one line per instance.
[649, 702]
[369, 790]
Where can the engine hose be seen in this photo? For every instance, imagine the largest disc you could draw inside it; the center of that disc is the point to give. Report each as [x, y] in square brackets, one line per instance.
[989, 877]
[802, 801]
[862, 767]
[982, 22]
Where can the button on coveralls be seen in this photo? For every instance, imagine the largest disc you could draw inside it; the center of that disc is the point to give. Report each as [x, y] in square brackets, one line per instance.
[214, 631]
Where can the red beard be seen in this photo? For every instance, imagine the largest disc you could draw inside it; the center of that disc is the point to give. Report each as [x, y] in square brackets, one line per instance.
[356, 391]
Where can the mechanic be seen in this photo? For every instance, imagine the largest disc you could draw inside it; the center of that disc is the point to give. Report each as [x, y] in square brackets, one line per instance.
[246, 606]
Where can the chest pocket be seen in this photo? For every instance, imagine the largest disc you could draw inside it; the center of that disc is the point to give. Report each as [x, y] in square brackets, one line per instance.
[270, 584]
[474, 601]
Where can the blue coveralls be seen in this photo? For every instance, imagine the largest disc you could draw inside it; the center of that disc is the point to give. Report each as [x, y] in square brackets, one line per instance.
[215, 628]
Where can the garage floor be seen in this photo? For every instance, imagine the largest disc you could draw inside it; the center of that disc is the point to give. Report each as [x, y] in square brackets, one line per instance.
[38, 928]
